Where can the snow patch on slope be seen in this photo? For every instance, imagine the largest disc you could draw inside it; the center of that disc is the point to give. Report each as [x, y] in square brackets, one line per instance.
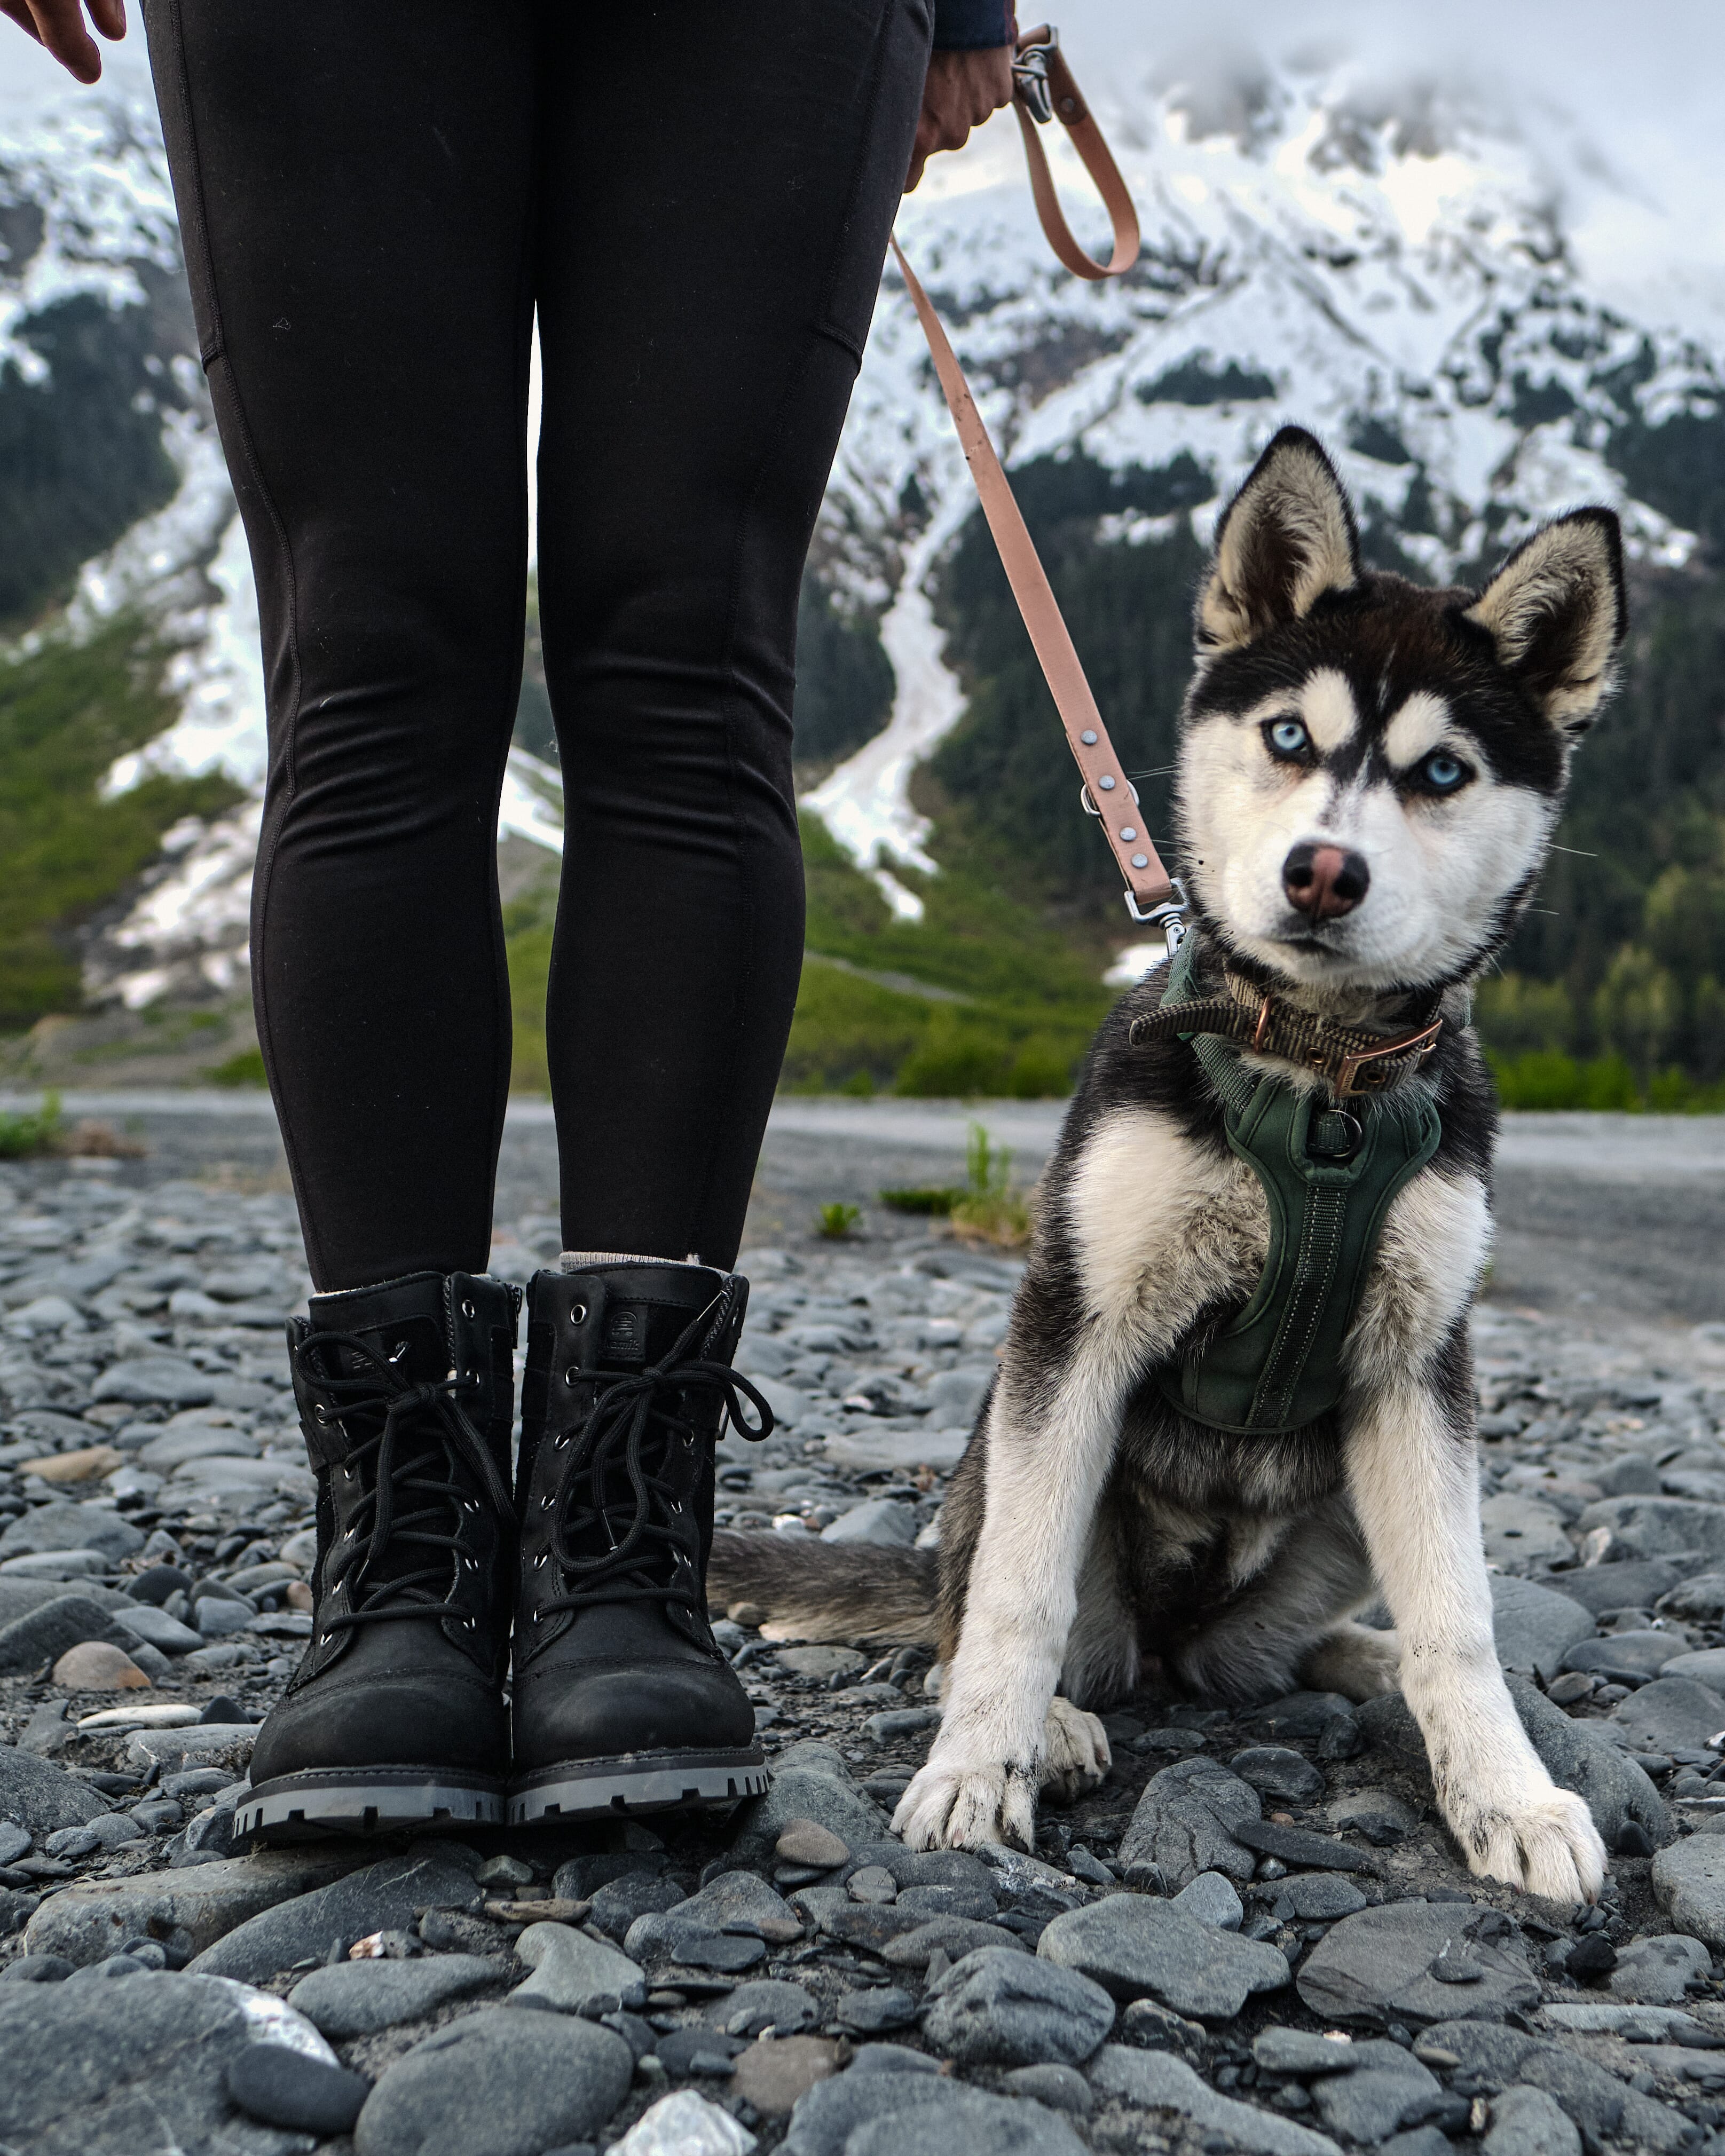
[865, 803]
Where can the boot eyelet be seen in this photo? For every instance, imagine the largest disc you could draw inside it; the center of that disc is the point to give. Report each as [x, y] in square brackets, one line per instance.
[571, 1376]
[469, 1308]
[558, 1442]
[547, 1501]
[577, 1313]
[539, 1560]
[469, 1505]
[326, 1639]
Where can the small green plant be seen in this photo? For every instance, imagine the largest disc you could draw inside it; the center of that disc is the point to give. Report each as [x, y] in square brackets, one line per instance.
[21, 1136]
[989, 1209]
[245, 1068]
[932, 1204]
[835, 1221]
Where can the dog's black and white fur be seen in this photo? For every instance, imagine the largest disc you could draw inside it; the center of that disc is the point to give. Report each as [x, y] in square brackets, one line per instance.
[1094, 1538]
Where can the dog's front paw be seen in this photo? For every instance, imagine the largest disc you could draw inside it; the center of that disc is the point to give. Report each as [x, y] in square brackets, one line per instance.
[950, 1805]
[1074, 1752]
[1544, 1842]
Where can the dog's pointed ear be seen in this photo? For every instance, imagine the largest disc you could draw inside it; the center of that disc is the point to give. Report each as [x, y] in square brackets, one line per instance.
[1556, 615]
[1286, 538]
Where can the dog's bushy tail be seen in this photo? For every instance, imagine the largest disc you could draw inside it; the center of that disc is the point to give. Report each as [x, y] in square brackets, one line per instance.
[814, 1590]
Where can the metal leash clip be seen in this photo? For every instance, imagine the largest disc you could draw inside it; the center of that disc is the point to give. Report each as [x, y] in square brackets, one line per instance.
[1029, 76]
[1170, 917]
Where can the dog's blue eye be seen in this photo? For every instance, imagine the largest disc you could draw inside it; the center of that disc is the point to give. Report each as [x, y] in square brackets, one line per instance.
[1288, 737]
[1443, 772]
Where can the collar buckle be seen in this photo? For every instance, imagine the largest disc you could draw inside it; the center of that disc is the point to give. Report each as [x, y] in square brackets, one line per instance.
[1366, 1071]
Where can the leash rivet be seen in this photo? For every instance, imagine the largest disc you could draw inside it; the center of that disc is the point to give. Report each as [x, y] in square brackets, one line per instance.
[1140, 860]
[1127, 832]
[1088, 739]
[1106, 785]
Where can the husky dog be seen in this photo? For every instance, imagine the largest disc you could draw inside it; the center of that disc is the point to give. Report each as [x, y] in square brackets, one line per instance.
[1368, 777]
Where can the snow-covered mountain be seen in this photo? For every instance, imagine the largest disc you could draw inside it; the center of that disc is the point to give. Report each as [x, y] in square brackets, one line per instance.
[1386, 261]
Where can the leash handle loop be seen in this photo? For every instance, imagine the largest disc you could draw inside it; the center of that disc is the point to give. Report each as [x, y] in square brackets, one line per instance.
[1044, 88]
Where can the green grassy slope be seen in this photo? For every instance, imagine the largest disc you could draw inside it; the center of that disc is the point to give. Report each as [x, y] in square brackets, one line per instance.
[66, 711]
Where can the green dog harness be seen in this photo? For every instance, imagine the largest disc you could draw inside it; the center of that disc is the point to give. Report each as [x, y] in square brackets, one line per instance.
[1328, 1178]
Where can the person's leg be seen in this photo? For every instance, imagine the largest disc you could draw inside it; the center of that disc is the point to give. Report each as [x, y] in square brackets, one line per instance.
[716, 195]
[355, 183]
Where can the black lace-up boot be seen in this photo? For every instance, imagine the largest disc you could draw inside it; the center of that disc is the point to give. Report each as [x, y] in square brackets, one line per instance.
[397, 1714]
[621, 1699]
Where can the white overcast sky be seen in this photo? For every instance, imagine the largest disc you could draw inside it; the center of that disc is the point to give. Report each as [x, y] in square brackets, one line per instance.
[1645, 82]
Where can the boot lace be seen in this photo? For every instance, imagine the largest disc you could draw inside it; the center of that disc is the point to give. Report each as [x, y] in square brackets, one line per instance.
[424, 1440]
[631, 1437]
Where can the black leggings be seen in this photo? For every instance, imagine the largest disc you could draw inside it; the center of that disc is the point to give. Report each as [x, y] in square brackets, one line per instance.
[375, 198]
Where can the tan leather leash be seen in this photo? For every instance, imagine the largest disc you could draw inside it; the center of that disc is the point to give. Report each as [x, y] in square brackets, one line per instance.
[1043, 89]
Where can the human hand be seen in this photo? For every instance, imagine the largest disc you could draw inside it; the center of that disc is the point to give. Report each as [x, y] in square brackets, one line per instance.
[59, 24]
[962, 89]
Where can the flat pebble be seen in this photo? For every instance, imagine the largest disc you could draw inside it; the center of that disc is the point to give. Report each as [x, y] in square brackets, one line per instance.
[497, 2083]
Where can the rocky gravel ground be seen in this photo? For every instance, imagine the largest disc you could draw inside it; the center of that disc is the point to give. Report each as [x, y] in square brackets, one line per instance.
[1253, 1936]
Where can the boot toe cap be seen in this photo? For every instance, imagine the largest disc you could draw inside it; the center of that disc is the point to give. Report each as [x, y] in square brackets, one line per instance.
[383, 1720]
[598, 1710]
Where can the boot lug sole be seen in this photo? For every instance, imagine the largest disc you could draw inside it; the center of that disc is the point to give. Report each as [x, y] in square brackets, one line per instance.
[364, 1800]
[639, 1782]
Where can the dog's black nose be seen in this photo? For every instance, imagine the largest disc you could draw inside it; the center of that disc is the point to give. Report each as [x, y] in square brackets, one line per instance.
[1324, 881]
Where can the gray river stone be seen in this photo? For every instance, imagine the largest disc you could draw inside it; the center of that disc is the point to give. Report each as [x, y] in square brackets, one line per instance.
[1636, 1584]
[1526, 2121]
[809, 1781]
[1275, 1771]
[1522, 1530]
[43, 1797]
[569, 1968]
[1368, 2103]
[497, 2083]
[1604, 2109]
[768, 2003]
[1153, 2081]
[358, 1998]
[1629, 1658]
[47, 1632]
[87, 1922]
[1375, 1966]
[1659, 1527]
[155, 1381]
[149, 1623]
[62, 1526]
[1136, 1948]
[1534, 1627]
[1658, 1972]
[381, 1898]
[136, 2068]
[901, 2111]
[1000, 2009]
[976, 2125]
[1689, 1879]
[1672, 1714]
[1184, 1819]
[1705, 1666]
